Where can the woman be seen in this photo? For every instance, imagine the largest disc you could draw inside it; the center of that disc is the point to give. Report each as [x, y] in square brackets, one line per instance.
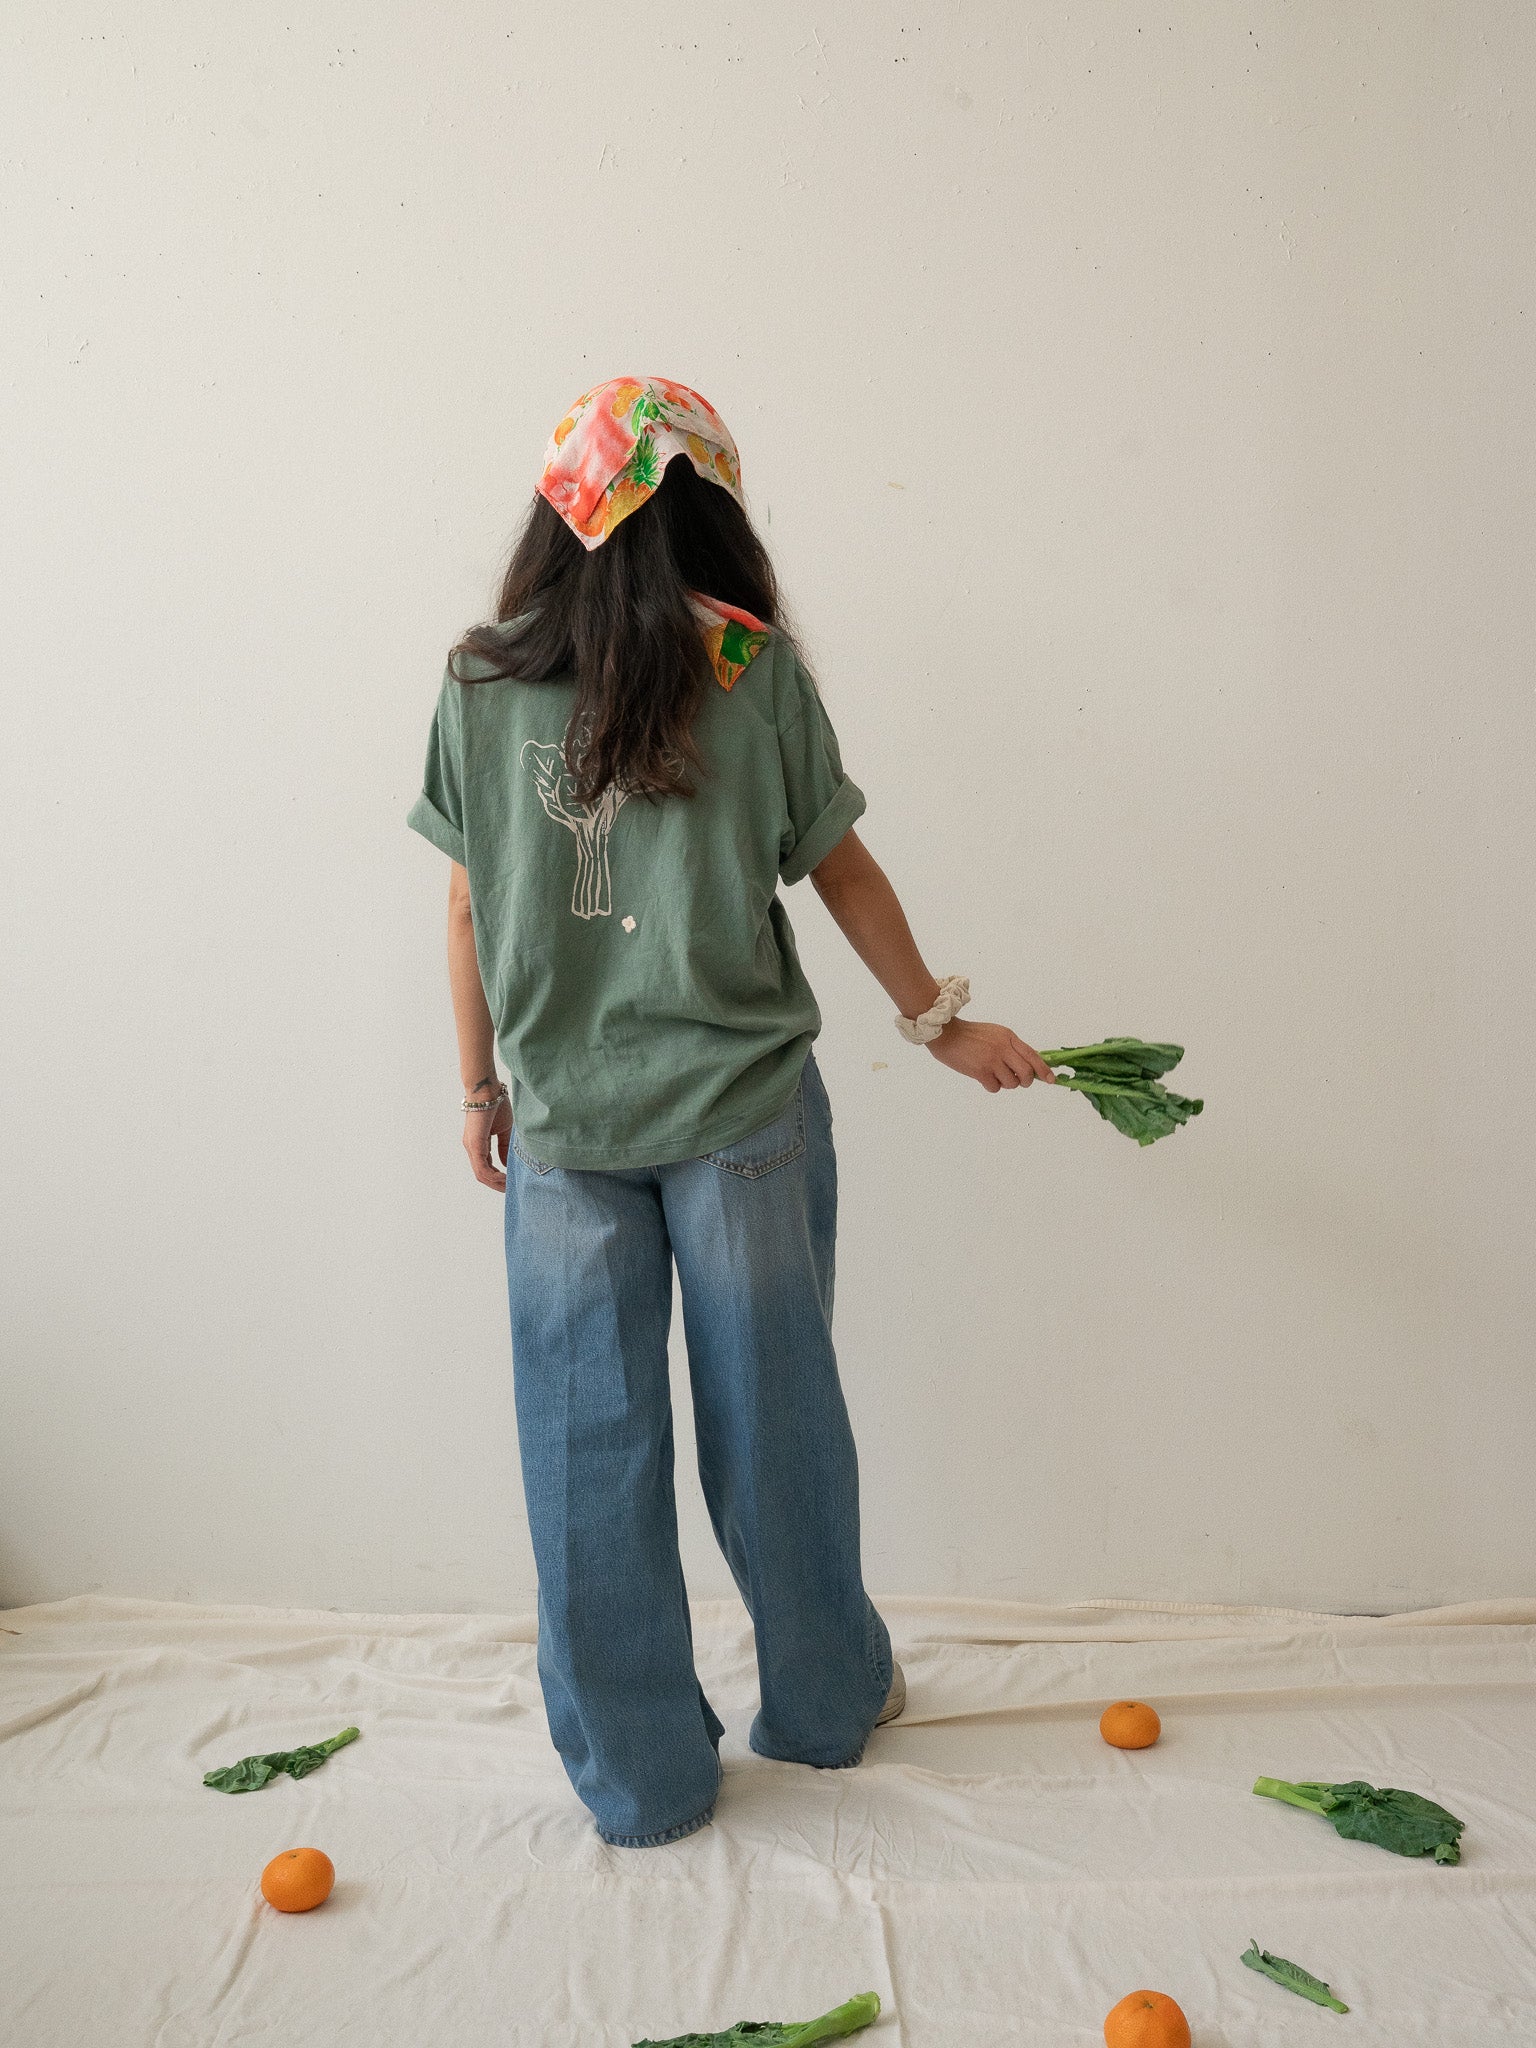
[623, 769]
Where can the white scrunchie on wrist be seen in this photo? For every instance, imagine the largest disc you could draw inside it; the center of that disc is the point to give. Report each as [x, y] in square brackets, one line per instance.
[954, 994]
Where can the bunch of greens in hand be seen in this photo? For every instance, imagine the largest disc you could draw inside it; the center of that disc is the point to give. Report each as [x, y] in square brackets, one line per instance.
[844, 2019]
[1291, 1975]
[1119, 1076]
[252, 1772]
[1400, 1821]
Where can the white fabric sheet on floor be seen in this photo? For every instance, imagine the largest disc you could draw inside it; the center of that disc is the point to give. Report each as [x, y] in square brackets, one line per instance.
[992, 1869]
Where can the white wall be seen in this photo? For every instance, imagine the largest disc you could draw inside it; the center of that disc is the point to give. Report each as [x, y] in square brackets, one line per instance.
[1138, 401]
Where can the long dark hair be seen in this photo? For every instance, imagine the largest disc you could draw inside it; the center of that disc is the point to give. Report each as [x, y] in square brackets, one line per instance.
[617, 618]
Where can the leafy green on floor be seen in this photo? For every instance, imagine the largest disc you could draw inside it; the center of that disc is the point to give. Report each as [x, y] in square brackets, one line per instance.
[843, 2019]
[252, 1772]
[1399, 1821]
[1291, 1975]
[1119, 1076]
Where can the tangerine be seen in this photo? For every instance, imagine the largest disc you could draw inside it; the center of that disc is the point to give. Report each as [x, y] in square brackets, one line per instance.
[298, 1880]
[1130, 1724]
[1146, 2019]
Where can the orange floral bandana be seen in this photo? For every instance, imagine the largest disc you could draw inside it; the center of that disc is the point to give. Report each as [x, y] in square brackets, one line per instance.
[731, 635]
[606, 456]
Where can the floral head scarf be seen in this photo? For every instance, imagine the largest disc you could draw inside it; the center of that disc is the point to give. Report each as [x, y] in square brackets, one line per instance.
[607, 456]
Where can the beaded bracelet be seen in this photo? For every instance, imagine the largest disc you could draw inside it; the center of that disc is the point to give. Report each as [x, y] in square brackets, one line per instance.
[491, 1100]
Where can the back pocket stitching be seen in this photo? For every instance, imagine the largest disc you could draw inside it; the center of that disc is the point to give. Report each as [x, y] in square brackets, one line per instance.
[755, 1169]
[534, 1165]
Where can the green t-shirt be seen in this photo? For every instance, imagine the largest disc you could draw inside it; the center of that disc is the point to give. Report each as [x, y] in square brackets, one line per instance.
[639, 965]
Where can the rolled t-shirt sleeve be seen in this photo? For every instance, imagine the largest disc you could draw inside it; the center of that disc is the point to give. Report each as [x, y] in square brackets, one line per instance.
[438, 812]
[821, 801]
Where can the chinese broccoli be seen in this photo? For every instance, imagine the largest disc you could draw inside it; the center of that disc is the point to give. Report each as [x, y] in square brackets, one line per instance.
[252, 1772]
[1400, 1821]
[1119, 1076]
[844, 2019]
[1291, 1975]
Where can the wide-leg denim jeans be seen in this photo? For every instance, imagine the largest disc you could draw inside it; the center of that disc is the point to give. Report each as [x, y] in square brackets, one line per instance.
[589, 1268]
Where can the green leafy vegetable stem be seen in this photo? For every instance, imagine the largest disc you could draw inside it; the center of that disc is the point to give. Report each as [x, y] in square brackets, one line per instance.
[1293, 1795]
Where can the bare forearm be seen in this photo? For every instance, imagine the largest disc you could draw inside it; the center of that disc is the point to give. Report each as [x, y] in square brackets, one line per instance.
[868, 912]
[471, 1012]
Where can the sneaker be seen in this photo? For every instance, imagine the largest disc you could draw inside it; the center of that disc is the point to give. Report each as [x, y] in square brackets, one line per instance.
[896, 1698]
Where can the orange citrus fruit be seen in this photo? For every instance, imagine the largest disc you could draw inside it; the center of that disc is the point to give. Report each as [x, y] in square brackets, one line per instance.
[1130, 1724]
[298, 1880]
[1146, 2019]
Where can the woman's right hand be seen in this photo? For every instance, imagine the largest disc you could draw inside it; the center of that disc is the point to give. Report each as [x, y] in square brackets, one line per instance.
[990, 1054]
[483, 1130]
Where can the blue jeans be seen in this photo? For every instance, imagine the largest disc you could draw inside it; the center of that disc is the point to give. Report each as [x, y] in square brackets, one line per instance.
[589, 1271]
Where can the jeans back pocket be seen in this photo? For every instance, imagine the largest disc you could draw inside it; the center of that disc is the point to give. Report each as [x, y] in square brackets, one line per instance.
[533, 1165]
[771, 1145]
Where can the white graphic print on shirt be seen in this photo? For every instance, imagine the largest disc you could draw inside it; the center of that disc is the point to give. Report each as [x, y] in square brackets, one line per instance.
[591, 823]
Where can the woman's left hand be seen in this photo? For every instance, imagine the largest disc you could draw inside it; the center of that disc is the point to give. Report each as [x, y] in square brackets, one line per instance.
[990, 1054]
[481, 1128]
